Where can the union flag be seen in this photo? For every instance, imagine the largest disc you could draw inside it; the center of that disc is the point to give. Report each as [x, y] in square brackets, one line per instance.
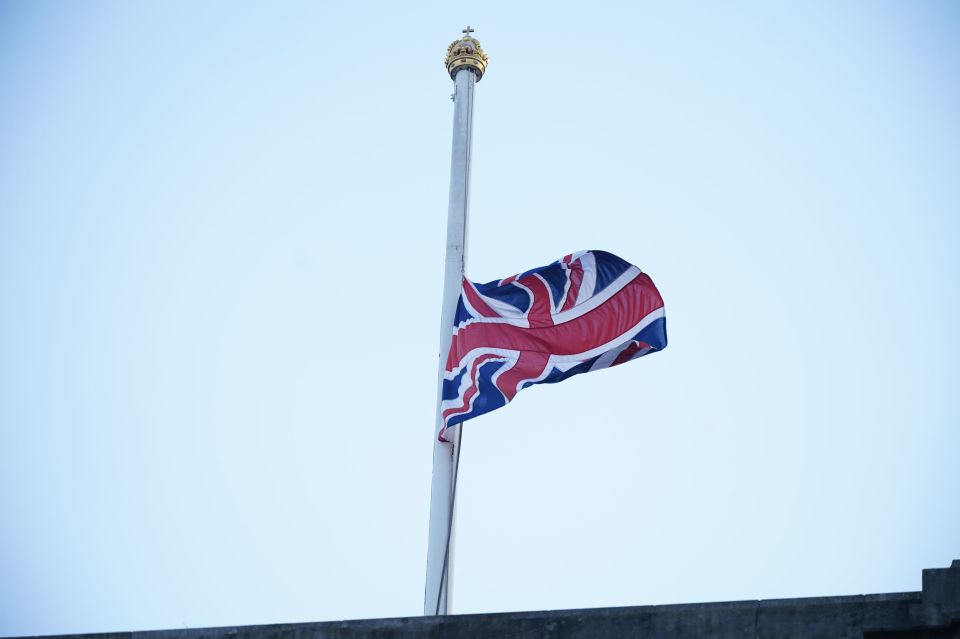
[586, 311]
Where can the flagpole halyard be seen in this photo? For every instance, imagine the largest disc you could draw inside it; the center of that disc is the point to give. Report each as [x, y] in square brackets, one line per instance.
[466, 63]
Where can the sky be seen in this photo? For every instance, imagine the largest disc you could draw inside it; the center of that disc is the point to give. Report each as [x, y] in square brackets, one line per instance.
[221, 251]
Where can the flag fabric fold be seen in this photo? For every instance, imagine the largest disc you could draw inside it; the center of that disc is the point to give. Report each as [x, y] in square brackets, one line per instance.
[587, 311]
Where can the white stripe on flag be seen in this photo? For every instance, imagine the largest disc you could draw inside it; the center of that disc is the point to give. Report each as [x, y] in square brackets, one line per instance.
[589, 265]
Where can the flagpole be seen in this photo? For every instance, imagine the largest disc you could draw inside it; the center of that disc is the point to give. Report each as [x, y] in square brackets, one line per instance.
[466, 64]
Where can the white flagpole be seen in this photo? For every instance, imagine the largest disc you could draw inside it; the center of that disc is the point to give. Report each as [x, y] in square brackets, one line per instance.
[466, 63]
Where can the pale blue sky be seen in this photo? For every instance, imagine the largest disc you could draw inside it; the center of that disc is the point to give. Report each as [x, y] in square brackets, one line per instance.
[221, 241]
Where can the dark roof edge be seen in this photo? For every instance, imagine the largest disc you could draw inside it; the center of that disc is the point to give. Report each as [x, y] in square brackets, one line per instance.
[903, 614]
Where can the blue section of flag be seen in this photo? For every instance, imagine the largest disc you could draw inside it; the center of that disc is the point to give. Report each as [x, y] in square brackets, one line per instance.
[557, 375]
[512, 295]
[655, 334]
[609, 268]
[556, 278]
[488, 398]
[462, 313]
[450, 387]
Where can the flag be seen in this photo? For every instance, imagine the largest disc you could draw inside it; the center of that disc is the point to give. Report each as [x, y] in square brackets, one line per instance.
[586, 311]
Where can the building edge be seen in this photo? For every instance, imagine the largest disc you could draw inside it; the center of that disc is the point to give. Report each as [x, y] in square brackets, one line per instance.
[931, 613]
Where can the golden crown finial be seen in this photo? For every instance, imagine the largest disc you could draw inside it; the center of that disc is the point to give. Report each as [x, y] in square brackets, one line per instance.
[466, 53]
